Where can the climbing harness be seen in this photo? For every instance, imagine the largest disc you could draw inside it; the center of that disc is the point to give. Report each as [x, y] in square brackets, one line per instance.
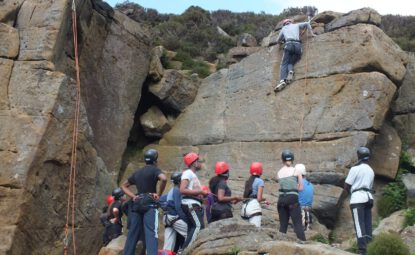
[72, 173]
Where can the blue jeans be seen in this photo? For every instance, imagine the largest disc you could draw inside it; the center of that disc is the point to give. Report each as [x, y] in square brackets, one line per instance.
[292, 54]
[137, 223]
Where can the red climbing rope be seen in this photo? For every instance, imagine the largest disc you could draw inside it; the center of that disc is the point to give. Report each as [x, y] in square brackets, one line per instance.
[72, 174]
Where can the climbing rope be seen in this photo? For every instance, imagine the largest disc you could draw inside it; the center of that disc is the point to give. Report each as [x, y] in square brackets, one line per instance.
[305, 93]
[72, 173]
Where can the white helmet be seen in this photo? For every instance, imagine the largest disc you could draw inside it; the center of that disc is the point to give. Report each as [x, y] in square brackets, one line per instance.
[301, 169]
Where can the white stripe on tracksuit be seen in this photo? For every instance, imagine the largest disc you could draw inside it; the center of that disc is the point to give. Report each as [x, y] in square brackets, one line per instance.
[357, 223]
[196, 220]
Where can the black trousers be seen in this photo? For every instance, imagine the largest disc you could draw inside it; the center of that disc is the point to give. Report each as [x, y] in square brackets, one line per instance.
[194, 214]
[288, 206]
[362, 219]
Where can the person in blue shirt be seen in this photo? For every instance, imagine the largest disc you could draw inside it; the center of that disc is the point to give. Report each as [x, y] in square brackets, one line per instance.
[175, 219]
[305, 198]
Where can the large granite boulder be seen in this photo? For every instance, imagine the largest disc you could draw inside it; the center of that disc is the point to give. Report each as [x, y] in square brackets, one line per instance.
[154, 123]
[364, 15]
[156, 70]
[393, 223]
[246, 40]
[386, 152]
[115, 56]
[176, 89]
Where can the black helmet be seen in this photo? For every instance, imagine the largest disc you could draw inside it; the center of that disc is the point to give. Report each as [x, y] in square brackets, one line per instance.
[176, 177]
[117, 193]
[363, 153]
[150, 156]
[287, 155]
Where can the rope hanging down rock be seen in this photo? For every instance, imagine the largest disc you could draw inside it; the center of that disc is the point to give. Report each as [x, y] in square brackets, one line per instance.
[72, 175]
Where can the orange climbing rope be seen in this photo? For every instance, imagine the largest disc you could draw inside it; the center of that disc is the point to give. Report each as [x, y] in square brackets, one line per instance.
[72, 174]
[305, 94]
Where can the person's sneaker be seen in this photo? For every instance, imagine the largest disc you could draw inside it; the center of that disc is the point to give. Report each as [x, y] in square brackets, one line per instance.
[280, 86]
[290, 76]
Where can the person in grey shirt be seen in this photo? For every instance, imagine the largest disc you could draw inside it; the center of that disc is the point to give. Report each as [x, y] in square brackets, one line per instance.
[290, 33]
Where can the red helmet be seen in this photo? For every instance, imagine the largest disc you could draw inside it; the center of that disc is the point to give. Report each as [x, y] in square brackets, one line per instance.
[256, 168]
[221, 167]
[205, 188]
[287, 21]
[110, 199]
[189, 158]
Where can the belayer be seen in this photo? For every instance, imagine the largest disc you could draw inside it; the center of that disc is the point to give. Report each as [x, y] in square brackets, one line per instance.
[112, 218]
[254, 188]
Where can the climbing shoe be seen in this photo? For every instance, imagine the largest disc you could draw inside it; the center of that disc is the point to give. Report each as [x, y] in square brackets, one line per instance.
[280, 86]
[290, 76]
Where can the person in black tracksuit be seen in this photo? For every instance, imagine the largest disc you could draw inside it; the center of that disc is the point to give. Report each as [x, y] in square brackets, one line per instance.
[359, 183]
[144, 212]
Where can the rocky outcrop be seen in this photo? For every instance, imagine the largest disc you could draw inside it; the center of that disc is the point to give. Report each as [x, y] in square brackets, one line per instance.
[176, 90]
[386, 152]
[233, 236]
[111, 42]
[408, 237]
[404, 108]
[393, 223]
[334, 105]
[364, 15]
[246, 40]
[154, 123]
[37, 98]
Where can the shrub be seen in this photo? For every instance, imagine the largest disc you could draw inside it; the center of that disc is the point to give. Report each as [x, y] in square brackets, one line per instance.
[319, 238]
[393, 199]
[387, 243]
[409, 217]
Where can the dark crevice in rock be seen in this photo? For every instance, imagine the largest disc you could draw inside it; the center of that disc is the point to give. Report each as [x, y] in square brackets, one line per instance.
[10, 186]
[137, 140]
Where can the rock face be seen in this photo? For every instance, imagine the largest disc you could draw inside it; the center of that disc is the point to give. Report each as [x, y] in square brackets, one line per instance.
[176, 90]
[404, 108]
[37, 98]
[343, 87]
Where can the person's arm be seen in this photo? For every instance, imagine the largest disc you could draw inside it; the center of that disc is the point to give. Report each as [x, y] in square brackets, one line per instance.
[222, 198]
[350, 179]
[115, 213]
[163, 180]
[347, 187]
[259, 194]
[308, 27]
[127, 191]
[280, 37]
[188, 192]
[177, 198]
[300, 184]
